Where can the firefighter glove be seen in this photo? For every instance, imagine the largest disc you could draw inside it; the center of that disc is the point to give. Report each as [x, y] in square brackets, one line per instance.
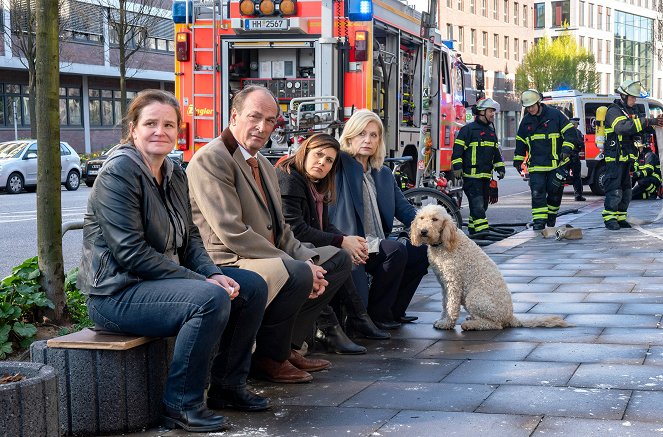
[518, 166]
[458, 174]
[500, 173]
[637, 175]
[564, 156]
[560, 177]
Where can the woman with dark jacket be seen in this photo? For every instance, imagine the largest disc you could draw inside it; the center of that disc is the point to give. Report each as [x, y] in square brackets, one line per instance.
[306, 180]
[368, 200]
[146, 272]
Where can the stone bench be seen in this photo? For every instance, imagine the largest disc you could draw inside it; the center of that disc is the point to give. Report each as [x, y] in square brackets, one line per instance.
[108, 383]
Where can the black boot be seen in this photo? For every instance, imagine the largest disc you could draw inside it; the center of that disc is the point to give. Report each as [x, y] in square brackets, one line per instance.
[362, 326]
[337, 342]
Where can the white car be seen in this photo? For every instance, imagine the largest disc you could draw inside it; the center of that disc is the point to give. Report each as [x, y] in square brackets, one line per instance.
[18, 166]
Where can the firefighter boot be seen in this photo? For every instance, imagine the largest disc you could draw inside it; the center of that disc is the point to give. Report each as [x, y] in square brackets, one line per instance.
[550, 222]
[539, 225]
[612, 225]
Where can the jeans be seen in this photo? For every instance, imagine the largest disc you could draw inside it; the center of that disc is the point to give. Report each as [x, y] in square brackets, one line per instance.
[198, 313]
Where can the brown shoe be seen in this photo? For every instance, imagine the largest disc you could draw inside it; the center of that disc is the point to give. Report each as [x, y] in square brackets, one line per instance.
[307, 364]
[271, 370]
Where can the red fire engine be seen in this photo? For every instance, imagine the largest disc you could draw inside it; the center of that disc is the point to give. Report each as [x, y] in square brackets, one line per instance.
[321, 66]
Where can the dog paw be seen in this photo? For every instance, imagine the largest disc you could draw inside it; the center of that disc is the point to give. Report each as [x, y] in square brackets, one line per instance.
[444, 324]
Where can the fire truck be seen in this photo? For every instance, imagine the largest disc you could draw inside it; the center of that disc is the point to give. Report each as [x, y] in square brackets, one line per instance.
[322, 59]
[574, 103]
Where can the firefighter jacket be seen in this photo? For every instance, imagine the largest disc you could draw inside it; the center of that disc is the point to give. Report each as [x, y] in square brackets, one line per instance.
[622, 127]
[544, 138]
[476, 151]
[578, 144]
[649, 166]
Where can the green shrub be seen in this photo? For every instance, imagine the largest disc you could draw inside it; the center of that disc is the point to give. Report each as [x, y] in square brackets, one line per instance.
[76, 307]
[20, 298]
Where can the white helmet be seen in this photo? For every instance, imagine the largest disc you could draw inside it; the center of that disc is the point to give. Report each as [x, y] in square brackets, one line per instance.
[487, 103]
[631, 88]
[530, 97]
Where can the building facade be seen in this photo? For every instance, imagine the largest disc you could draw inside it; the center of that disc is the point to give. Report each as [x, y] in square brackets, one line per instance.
[90, 118]
[495, 34]
[620, 34]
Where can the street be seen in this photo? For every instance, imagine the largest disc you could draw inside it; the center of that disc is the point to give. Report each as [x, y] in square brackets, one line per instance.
[18, 218]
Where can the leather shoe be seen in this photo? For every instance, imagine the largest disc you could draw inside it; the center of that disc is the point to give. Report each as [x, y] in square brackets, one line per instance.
[387, 324]
[335, 341]
[407, 319]
[307, 364]
[271, 370]
[363, 326]
[198, 420]
[624, 224]
[238, 399]
[580, 198]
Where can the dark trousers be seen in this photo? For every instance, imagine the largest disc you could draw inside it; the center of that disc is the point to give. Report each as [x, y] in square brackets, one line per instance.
[347, 298]
[546, 197]
[617, 183]
[198, 313]
[646, 188]
[289, 319]
[476, 191]
[576, 169]
[397, 270]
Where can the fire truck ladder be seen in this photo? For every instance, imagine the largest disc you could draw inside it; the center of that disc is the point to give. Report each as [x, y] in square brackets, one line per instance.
[210, 11]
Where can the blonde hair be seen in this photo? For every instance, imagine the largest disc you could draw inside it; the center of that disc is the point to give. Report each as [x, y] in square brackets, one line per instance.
[355, 126]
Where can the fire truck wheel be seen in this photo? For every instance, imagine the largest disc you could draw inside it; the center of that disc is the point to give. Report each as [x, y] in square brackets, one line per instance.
[420, 197]
[598, 182]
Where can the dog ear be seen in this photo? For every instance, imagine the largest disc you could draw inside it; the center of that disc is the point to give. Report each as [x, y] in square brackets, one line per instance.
[415, 236]
[449, 234]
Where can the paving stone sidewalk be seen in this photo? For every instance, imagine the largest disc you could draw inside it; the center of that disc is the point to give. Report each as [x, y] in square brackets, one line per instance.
[602, 377]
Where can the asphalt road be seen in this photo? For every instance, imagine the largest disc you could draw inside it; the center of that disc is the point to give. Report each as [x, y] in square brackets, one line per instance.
[18, 218]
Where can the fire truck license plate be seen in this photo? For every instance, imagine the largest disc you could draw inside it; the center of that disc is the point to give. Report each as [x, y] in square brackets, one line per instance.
[282, 24]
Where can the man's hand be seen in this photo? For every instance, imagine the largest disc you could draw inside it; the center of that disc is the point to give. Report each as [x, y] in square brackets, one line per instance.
[518, 165]
[458, 174]
[500, 173]
[227, 283]
[319, 281]
[357, 247]
[655, 122]
[564, 156]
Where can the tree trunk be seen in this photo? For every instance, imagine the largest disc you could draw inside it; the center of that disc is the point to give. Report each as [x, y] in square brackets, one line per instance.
[122, 53]
[32, 90]
[49, 215]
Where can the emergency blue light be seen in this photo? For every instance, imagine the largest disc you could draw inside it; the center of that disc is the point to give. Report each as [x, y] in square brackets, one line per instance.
[360, 10]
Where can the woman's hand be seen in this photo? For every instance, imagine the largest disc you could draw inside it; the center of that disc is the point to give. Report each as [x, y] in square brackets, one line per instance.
[227, 283]
[357, 247]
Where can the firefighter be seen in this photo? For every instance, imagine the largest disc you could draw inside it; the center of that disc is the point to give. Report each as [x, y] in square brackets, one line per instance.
[579, 144]
[476, 155]
[647, 175]
[547, 136]
[623, 126]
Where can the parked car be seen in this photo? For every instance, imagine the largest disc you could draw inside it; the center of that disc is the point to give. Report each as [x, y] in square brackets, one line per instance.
[92, 166]
[18, 166]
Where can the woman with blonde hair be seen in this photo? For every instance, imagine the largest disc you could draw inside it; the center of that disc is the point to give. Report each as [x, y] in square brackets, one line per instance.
[307, 182]
[367, 201]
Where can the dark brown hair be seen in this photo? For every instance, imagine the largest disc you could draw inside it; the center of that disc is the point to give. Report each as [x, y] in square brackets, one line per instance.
[325, 185]
[145, 98]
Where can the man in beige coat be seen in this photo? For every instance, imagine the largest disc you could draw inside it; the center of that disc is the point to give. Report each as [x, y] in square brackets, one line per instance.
[241, 223]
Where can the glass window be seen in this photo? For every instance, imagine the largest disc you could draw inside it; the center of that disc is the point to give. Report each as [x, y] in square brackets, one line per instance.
[496, 45]
[539, 15]
[599, 17]
[506, 47]
[633, 53]
[599, 51]
[590, 14]
[461, 38]
[581, 41]
[608, 19]
[107, 113]
[525, 15]
[484, 43]
[460, 5]
[483, 8]
[450, 31]
[473, 38]
[14, 95]
[506, 11]
[516, 49]
[561, 13]
[449, 3]
[516, 13]
[95, 112]
[581, 14]
[495, 11]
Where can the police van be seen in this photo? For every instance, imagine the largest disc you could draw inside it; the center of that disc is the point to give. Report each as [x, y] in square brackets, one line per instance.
[583, 106]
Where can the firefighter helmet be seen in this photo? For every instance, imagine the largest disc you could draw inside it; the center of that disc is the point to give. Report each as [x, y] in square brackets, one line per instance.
[487, 103]
[631, 88]
[530, 97]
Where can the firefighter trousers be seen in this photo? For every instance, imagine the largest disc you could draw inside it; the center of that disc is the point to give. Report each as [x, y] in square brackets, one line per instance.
[476, 190]
[546, 198]
[617, 185]
[646, 188]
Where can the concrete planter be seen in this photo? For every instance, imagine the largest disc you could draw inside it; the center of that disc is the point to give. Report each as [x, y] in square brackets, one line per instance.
[30, 406]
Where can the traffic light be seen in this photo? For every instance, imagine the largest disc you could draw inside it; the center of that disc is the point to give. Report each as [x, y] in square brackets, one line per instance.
[360, 10]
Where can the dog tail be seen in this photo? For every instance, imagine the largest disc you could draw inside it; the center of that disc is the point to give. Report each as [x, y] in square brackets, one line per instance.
[542, 322]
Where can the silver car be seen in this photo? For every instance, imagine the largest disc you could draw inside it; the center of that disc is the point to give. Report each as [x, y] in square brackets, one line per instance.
[18, 166]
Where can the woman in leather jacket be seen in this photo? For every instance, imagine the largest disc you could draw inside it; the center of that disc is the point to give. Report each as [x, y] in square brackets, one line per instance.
[306, 180]
[367, 201]
[146, 272]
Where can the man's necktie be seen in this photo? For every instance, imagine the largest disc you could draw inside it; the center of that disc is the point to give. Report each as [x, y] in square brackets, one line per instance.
[253, 163]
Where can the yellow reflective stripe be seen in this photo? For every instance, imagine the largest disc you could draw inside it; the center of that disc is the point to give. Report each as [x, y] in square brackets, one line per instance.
[457, 161]
[567, 127]
[608, 130]
[477, 175]
[460, 142]
[617, 120]
[521, 139]
[488, 143]
[609, 215]
[518, 158]
[553, 209]
[498, 165]
[540, 168]
[638, 125]
[554, 135]
[537, 137]
[623, 158]
[473, 144]
[568, 144]
[609, 159]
